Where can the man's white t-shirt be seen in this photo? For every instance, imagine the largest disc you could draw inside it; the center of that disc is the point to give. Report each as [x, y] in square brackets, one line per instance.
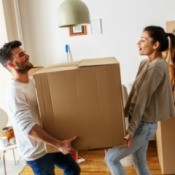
[23, 112]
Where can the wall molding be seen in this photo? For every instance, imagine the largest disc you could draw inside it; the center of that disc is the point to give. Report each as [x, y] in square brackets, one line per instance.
[12, 20]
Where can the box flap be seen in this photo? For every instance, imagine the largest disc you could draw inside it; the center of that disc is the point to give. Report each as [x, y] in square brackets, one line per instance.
[69, 64]
[56, 69]
[97, 61]
[60, 67]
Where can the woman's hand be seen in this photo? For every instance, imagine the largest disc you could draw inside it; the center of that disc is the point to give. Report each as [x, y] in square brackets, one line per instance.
[128, 139]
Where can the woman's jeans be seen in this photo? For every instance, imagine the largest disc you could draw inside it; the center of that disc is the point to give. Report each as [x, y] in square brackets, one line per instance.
[46, 164]
[138, 149]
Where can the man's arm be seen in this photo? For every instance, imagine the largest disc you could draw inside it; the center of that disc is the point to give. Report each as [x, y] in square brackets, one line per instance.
[23, 119]
[39, 134]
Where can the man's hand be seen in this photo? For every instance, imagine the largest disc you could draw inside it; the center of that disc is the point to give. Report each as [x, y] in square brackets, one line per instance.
[66, 145]
[128, 139]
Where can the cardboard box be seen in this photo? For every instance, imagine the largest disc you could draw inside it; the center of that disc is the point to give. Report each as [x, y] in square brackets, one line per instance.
[170, 25]
[165, 145]
[85, 99]
[166, 134]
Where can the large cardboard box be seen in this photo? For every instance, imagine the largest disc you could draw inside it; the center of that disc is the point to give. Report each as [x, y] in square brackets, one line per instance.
[166, 134]
[85, 99]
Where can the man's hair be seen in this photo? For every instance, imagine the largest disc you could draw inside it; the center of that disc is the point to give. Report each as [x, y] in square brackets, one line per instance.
[5, 51]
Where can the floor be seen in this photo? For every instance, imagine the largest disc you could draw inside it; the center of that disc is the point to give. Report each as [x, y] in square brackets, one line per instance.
[11, 167]
[94, 164]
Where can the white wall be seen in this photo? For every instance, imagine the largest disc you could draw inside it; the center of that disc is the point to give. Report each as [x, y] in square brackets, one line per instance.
[122, 21]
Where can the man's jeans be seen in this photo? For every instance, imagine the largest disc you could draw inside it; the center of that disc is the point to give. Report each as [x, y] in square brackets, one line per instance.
[138, 149]
[45, 165]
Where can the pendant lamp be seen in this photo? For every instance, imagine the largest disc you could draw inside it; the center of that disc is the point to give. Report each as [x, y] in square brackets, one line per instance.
[73, 12]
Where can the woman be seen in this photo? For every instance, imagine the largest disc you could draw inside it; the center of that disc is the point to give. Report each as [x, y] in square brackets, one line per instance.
[150, 101]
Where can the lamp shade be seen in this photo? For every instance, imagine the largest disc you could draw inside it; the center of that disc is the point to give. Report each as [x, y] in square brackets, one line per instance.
[73, 12]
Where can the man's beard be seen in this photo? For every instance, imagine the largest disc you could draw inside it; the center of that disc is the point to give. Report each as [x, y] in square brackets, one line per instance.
[24, 69]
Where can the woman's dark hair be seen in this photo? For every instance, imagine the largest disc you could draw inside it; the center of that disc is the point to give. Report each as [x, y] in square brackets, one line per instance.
[172, 46]
[167, 42]
[158, 34]
[5, 51]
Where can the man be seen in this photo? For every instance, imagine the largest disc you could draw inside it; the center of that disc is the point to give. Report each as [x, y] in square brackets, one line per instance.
[23, 111]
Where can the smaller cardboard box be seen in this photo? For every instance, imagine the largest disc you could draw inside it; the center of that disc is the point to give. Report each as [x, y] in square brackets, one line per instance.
[85, 99]
[170, 25]
[165, 145]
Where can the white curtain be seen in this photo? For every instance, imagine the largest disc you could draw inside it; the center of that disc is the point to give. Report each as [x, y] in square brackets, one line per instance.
[3, 33]
[4, 74]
